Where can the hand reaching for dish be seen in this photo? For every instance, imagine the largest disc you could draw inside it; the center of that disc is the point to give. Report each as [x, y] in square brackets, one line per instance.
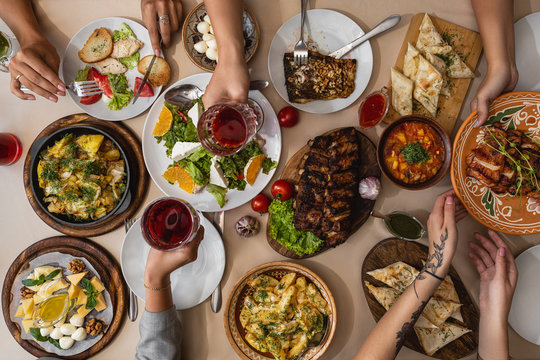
[229, 84]
[498, 274]
[443, 234]
[161, 17]
[36, 67]
[494, 84]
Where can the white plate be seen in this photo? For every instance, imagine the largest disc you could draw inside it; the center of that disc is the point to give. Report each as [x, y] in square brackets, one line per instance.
[330, 30]
[525, 314]
[527, 35]
[192, 283]
[157, 161]
[71, 64]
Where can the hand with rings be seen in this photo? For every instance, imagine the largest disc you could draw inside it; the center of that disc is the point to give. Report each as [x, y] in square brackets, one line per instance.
[161, 17]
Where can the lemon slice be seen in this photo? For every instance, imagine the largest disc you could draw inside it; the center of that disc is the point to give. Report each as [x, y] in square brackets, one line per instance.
[180, 176]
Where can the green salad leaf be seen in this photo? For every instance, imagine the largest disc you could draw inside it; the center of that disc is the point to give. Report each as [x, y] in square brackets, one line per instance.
[219, 193]
[268, 164]
[122, 94]
[283, 231]
[131, 61]
[82, 74]
[124, 33]
[180, 131]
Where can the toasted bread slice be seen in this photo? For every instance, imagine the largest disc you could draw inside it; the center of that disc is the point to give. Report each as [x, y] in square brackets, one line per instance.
[98, 46]
[112, 66]
[160, 73]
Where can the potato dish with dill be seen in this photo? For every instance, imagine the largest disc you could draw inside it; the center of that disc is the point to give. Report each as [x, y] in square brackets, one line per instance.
[283, 317]
[82, 177]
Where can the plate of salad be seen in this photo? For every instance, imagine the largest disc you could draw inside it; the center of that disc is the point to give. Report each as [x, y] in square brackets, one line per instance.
[117, 74]
[181, 167]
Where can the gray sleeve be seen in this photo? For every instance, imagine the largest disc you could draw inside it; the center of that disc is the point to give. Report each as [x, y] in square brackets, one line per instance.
[160, 336]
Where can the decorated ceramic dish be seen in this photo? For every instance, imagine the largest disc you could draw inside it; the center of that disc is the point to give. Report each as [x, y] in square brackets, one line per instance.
[501, 212]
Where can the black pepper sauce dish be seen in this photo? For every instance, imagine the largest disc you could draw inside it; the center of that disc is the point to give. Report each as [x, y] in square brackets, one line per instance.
[45, 142]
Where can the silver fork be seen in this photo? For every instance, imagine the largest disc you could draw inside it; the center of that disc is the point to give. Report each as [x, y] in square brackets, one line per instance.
[81, 88]
[301, 49]
[132, 309]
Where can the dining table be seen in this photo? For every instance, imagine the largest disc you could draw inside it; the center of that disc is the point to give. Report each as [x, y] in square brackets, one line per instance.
[204, 335]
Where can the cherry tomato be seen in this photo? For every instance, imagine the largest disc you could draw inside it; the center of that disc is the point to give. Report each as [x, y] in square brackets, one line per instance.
[260, 203]
[282, 190]
[288, 116]
[146, 91]
[92, 99]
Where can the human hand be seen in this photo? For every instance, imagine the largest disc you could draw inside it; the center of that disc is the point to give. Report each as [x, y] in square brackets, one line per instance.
[36, 66]
[498, 274]
[442, 232]
[497, 81]
[165, 14]
[160, 264]
[229, 84]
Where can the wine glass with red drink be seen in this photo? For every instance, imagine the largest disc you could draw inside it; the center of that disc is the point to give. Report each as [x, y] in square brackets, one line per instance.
[169, 223]
[10, 149]
[225, 129]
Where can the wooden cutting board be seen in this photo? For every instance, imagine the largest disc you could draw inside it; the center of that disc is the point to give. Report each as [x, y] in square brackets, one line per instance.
[362, 211]
[467, 44]
[393, 250]
[105, 265]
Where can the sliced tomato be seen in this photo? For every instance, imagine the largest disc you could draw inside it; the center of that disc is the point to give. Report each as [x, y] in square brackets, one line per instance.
[240, 176]
[104, 84]
[146, 91]
[92, 99]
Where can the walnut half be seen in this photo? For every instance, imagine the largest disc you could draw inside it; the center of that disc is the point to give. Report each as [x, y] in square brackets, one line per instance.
[94, 327]
[76, 266]
[26, 293]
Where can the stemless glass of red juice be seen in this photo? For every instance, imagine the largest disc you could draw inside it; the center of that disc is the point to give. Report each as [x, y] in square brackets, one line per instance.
[10, 149]
[169, 223]
[225, 129]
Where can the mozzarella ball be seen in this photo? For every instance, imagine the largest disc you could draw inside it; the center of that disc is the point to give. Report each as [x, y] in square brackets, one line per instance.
[67, 329]
[208, 37]
[79, 334]
[203, 27]
[212, 44]
[56, 334]
[76, 320]
[46, 330]
[60, 323]
[66, 342]
[212, 54]
[200, 47]
[207, 19]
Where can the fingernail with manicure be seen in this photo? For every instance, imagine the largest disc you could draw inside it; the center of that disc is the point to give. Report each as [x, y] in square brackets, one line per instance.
[53, 99]
[61, 87]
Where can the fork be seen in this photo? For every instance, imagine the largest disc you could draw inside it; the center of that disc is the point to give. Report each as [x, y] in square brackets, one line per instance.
[301, 49]
[81, 88]
[132, 309]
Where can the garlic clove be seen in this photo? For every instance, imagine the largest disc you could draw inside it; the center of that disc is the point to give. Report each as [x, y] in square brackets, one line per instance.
[203, 27]
[66, 342]
[211, 29]
[212, 54]
[212, 44]
[79, 334]
[208, 37]
[200, 47]
[207, 19]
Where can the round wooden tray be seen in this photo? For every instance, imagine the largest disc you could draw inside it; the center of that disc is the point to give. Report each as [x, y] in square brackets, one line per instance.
[137, 187]
[105, 265]
[393, 250]
[233, 328]
[362, 211]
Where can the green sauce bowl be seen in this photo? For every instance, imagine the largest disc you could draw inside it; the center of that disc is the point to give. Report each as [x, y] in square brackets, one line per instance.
[405, 226]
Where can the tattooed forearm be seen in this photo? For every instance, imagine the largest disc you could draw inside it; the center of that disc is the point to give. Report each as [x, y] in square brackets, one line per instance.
[434, 261]
[408, 326]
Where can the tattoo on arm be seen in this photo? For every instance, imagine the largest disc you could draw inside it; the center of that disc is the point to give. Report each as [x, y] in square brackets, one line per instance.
[408, 326]
[434, 261]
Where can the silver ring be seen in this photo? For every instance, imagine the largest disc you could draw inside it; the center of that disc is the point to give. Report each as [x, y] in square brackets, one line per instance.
[164, 19]
[18, 77]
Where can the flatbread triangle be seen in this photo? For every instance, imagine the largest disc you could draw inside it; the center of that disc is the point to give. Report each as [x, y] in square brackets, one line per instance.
[434, 339]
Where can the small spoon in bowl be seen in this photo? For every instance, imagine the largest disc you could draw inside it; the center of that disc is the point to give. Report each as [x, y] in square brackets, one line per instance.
[379, 215]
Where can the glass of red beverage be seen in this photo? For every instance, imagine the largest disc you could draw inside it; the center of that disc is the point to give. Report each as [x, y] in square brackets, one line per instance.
[169, 223]
[225, 129]
[10, 149]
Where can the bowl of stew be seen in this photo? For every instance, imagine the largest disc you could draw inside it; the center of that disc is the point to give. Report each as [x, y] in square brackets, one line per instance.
[414, 152]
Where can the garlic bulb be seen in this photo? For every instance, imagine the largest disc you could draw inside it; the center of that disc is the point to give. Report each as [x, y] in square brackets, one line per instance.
[203, 27]
[56, 334]
[67, 329]
[247, 226]
[212, 44]
[66, 342]
[200, 47]
[79, 334]
[76, 320]
[370, 188]
[46, 331]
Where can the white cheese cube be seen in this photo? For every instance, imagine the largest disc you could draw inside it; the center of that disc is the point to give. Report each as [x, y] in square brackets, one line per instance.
[216, 174]
[194, 113]
[184, 149]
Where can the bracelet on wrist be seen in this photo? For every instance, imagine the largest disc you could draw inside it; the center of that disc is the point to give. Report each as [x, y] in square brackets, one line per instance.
[435, 276]
[158, 288]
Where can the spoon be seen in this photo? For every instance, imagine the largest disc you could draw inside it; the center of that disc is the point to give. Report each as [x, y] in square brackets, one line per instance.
[317, 339]
[183, 95]
[379, 215]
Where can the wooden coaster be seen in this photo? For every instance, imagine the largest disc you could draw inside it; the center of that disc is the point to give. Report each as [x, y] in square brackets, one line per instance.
[105, 265]
[137, 187]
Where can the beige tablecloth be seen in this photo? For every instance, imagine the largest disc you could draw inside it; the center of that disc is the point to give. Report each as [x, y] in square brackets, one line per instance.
[204, 335]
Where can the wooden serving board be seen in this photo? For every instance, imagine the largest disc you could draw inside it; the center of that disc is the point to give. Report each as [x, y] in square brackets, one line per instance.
[467, 44]
[362, 211]
[105, 265]
[392, 250]
[138, 184]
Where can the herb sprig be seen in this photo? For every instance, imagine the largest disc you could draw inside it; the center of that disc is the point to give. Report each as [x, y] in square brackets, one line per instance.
[90, 293]
[42, 278]
[414, 153]
[37, 335]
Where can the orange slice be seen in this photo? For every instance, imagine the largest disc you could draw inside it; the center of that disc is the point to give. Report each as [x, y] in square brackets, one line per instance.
[164, 122]
[180, 176]
[253, 167]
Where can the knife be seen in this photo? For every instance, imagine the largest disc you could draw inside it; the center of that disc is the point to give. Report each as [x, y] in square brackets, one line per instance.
[384, 25]
[144, 78]
[215, 299]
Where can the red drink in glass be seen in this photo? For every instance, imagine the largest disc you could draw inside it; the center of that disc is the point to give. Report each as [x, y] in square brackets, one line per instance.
[229, 128]
[169, 223]
[10, 149]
